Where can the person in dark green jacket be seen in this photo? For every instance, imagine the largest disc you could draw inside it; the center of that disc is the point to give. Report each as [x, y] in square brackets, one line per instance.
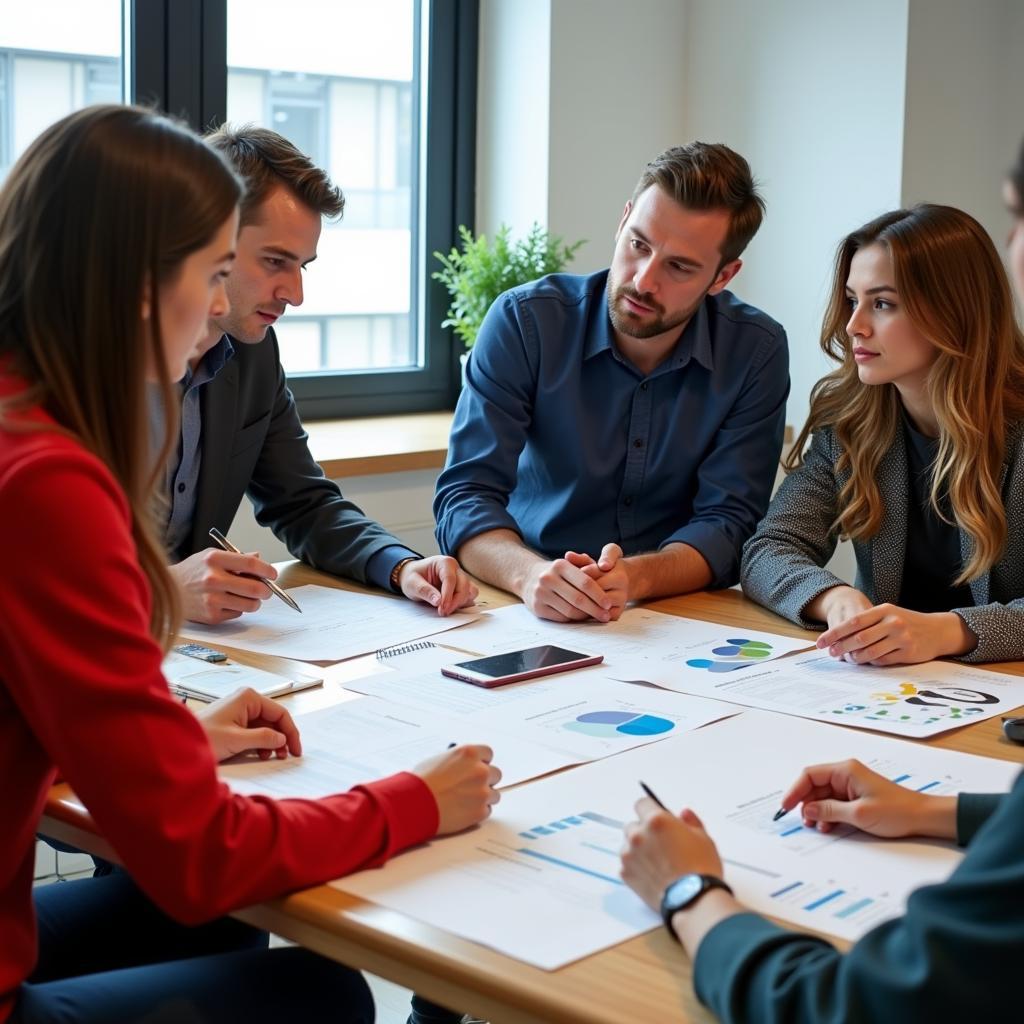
[956, 950]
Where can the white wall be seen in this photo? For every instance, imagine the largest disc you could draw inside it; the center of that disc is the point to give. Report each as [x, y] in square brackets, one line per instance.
[812, 95]
[513, 114]
[617, 82]
[963, 104]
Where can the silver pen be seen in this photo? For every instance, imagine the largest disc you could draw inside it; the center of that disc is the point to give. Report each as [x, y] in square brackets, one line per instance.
[274, 588]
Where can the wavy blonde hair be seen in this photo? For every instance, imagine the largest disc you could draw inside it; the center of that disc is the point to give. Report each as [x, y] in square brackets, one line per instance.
[952, 285]
[100, 212]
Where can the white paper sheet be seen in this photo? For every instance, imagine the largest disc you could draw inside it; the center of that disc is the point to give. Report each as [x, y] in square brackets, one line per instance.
[906, 700]
[667, 650]
[539, 732]
[539, 881]
[334, 625]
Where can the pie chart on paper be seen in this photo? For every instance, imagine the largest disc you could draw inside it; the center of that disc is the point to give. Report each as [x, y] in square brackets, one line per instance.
[607, 724]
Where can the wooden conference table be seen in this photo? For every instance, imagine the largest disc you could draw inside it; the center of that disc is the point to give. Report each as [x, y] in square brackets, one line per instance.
[645, 979]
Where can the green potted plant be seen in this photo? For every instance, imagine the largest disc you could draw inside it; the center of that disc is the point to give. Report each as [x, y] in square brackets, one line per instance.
[481, 270]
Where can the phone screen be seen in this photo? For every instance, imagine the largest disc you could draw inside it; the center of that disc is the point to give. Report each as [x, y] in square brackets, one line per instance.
[514, 662]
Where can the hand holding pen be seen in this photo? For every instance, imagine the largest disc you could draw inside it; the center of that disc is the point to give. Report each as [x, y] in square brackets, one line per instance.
[271, 585]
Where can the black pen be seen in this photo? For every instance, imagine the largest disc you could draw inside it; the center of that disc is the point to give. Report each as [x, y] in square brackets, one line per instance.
[780, 813]
[650, 792]
[274, 588]
[450, 745]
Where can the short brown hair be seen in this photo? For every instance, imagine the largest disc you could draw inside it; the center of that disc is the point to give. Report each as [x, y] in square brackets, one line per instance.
[709, 176]
[265, 160]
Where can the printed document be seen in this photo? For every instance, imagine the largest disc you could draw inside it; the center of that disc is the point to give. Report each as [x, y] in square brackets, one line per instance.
[334, 625]
[539, 880]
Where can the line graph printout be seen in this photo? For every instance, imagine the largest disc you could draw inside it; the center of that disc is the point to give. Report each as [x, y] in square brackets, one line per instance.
[905, 700]
[539, 881]
[643, 645]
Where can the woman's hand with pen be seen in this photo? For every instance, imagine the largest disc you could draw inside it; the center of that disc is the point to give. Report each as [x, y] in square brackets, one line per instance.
[850, 793]
[249, 721]
[462, 781]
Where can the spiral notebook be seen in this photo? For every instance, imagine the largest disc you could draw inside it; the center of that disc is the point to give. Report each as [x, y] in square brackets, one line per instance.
[189, 677]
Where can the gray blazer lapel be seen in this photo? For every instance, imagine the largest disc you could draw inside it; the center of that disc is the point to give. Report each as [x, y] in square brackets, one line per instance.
[889, 545]
[219, 404]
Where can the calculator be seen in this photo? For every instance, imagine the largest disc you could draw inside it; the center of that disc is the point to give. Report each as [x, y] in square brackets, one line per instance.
[200, 652]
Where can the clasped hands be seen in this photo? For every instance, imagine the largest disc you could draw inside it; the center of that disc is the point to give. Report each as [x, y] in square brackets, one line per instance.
[578, 587]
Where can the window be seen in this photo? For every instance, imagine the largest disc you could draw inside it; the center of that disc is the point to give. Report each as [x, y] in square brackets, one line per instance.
[351, 85]
[56, 57]
[381, 94]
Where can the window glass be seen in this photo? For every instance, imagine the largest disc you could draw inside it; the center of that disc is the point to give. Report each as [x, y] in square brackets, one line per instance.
[56, 56]
[339, 81]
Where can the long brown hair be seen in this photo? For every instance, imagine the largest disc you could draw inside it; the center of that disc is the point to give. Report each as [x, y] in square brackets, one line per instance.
[99, 212]
[955, 292]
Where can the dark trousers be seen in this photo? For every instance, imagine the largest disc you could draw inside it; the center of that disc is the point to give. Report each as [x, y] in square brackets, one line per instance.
[107, 955]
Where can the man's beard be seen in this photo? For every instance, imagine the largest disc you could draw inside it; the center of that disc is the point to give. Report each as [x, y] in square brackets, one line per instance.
[631, 326]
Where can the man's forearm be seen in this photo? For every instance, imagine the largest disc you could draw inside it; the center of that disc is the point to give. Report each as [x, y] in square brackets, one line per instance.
[498, 557]
[676, 569]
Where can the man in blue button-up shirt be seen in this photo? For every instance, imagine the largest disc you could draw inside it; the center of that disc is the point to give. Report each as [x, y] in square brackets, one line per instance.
[618, 434]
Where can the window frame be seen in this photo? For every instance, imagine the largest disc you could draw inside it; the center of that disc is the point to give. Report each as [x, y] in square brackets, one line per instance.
[178, 62]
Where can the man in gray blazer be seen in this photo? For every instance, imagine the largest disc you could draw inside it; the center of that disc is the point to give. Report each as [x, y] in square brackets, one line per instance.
[240, 430]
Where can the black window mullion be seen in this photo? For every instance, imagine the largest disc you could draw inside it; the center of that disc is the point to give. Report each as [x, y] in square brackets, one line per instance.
[179, 58]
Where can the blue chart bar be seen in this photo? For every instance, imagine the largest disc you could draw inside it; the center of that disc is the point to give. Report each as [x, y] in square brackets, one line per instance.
[572, 867]
[824, 899]
[527, 835]
[854, 907]
[792, 831]
[901, 778]
[786, 888]
[557, 824]
[929, 785]
[542, 831]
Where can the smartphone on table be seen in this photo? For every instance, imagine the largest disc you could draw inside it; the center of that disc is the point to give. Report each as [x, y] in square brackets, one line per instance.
[499, 669]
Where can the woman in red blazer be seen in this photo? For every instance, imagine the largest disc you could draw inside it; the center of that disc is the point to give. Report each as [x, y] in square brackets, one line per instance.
[117, 230]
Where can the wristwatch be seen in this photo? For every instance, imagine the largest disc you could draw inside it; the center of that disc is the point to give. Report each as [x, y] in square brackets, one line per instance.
[684, 892]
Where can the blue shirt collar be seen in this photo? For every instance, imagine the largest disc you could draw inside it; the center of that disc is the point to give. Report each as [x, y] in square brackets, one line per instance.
[694, 342]
[210, 364]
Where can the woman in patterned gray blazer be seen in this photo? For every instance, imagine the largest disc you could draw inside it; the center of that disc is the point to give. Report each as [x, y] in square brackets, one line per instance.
[916, 454]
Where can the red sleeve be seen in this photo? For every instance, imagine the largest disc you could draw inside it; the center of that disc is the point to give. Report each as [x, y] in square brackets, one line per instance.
[86, 676]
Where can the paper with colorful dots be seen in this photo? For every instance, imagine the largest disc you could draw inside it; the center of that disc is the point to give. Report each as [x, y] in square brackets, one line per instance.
[904, 700]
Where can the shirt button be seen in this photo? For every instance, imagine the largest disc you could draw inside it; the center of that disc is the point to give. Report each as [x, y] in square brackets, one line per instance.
[181, 488]
[627, 501]
[638, 443]
[643, 387]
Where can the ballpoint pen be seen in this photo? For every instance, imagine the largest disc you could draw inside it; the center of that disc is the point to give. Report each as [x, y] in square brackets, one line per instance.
[650, 792]
[274, 588]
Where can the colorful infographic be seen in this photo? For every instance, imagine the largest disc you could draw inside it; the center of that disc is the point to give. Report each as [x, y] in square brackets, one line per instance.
[609, 723]
[734, 654]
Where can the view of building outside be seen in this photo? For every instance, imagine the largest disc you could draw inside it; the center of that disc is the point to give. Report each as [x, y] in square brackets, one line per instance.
[337, 79]
[55, 57]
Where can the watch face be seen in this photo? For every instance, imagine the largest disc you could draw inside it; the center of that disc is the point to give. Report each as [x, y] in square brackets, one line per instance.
[684, 889]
